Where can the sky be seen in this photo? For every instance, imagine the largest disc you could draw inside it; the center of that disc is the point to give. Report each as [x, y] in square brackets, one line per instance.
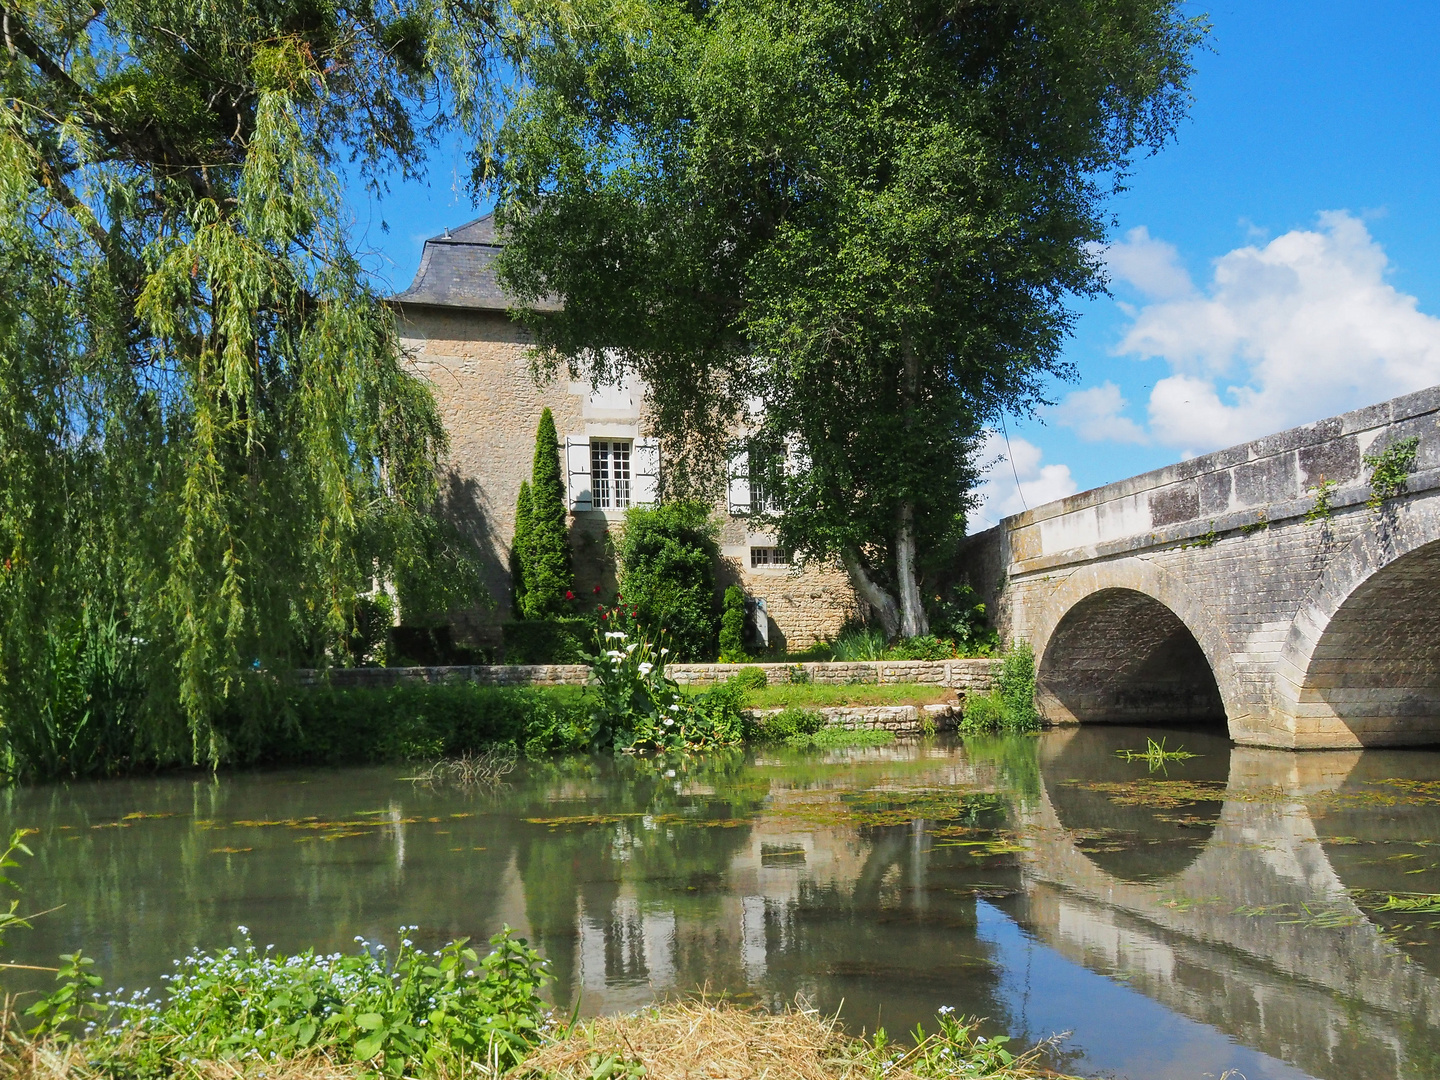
[1277, 263]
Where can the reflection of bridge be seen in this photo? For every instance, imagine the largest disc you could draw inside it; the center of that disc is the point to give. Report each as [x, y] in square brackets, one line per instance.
[1338, 998]
[1253, 584]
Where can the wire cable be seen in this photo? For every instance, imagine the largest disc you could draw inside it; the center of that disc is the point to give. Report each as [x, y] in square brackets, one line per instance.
[1009, 454]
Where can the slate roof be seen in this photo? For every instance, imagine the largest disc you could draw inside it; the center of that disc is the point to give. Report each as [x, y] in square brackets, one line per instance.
[457, 270]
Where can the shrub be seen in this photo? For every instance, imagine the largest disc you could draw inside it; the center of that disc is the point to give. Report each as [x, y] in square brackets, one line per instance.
[519, 548]
[667, 558]
[750, 678]
[784, 725]
[1010, 706]
[552, 640]
[924, 647]
[732, 627]
[859, 643]
[420, 1013]
[547, 572]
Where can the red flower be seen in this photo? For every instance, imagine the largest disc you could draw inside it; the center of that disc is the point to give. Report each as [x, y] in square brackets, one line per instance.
[604, 614]
[569, 595]
[597, 590]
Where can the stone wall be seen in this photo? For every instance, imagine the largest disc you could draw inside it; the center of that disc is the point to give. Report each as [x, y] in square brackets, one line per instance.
[899, 719]
[1222, 578]
[961, 675]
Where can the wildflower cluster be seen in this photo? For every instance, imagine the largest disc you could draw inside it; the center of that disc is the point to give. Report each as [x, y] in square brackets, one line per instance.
[638, 707]
[415, 1012]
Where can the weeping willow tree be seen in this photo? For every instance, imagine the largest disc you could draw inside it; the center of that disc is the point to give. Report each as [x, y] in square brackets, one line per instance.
[211, 446]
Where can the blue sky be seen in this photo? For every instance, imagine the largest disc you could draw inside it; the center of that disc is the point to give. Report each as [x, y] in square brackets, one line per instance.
[1278, 263]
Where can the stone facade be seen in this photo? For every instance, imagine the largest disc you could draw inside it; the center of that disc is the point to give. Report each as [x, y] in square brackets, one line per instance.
[1226, 588]
[960, 675]
[456, 328]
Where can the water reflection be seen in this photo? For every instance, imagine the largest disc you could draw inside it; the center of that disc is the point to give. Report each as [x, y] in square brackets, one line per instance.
[1218, 915]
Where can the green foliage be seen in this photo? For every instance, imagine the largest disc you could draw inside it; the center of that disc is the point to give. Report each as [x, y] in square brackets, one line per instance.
[758, 200]
[11, 919]
[732, 627]
[839, 738]
[667, 556]
[206, 422]
[636, 707]
[437, 1013]
[790, 723]
[867, 643]
[1390, 469]
[1016, 686]
[553, 640]
[960, 617]
[1320, 509]
[859, 643]
[88, 698]
[1010, 705]
[750, 678]
[519, 547]
[546, 563]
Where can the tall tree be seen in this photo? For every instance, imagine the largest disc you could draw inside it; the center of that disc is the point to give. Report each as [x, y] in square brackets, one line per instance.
[520, 548]
[207, 429]
[868, 218]
[548, 572]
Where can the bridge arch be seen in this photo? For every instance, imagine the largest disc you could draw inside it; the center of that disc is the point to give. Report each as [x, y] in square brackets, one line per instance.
[1361, 663]
[1124, 642]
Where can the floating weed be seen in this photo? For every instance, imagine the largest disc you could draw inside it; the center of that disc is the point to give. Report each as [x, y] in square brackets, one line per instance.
[1159, 794]
[584, 819]
[141, 815]
[1187, 903]
[1156, 755]
[230, 850]
[1323, 918]
[1414, 903]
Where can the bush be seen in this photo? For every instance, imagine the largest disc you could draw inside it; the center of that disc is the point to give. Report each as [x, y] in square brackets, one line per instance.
[553, 640]
[732, 627]
[784, 725]
[1010, 706]
[418, 1013]
[859, 643]
[750, 678]
[667, 558]
[545, 560]
[365, 726]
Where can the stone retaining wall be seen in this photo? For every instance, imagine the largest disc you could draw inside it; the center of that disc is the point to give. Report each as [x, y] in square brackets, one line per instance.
[962, 675]
[901, 719]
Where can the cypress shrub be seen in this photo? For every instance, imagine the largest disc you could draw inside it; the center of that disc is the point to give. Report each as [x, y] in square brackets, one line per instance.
[732, 627]
[519, 549]
[547, 570]
[667, 557]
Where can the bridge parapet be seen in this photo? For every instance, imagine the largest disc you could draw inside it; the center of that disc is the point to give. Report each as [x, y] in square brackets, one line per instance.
[1255, 585]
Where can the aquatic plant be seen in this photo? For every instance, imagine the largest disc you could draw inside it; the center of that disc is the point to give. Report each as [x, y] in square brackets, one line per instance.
[1156, 755]
[1415, 904]
[417, 1012]
[487, 767]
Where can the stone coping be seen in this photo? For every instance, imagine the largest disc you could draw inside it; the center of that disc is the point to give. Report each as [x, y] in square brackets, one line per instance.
[977, 674]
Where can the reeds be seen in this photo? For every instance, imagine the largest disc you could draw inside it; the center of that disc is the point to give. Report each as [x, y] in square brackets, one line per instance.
[487, 768]
[1156, 755]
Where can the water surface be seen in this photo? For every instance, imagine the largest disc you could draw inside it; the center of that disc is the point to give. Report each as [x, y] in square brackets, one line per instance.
[1218, 915]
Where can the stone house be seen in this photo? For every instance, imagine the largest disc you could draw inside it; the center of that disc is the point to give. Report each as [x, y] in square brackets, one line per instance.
[455, 324]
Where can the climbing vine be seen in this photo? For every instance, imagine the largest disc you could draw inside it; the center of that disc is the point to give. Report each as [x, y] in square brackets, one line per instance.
[1321, 510]
[1389, 470]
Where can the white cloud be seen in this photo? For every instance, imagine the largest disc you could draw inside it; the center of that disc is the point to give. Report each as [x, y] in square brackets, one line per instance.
[1094, 414]
[1299, 329]
[999, 494]
[1151, 266]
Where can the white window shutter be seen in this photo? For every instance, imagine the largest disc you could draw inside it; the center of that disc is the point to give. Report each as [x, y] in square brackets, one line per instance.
[645, 471]
[740, 483]
[577, 464]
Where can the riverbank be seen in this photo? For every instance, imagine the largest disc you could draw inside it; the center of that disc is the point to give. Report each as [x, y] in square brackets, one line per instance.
[677, 1041]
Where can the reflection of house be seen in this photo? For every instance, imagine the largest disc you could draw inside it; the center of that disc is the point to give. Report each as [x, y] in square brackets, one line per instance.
[454, 320]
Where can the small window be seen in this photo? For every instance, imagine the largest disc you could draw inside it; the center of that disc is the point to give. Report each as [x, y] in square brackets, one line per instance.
[610, 473]
[769, 556]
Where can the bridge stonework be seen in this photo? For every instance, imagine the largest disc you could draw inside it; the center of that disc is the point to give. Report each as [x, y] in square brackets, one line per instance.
[1236, 587]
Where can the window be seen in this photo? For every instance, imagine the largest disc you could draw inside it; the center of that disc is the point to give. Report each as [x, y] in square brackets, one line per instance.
[610, 473]
[765, 464]
[769, 556]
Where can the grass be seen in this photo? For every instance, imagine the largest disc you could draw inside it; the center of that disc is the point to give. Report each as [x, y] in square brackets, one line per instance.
[682, 1040]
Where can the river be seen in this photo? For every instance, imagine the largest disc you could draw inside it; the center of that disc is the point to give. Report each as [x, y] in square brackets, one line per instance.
[1224, 912]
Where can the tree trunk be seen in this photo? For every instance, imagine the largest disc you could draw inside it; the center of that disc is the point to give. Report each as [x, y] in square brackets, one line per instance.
[880, 601]
[913, 621]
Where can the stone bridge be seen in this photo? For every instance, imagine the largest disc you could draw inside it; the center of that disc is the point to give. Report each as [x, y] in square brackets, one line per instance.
[1260, 586]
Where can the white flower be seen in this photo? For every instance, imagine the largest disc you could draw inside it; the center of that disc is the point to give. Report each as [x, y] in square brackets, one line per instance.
[614, 654]
[669, 720]
[610, 634]
[630, 648]
[646, 667]
[664, 652]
